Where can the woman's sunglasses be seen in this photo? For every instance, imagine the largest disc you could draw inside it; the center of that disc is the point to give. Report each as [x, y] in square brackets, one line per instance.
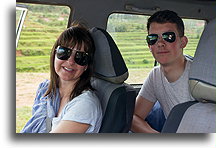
[167, 36]
[81, 58]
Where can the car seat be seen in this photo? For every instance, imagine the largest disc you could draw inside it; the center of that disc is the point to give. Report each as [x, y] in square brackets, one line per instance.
[117, 98]
[198, 116]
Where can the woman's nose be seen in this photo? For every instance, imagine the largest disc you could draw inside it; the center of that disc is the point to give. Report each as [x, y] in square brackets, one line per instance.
[71, 59]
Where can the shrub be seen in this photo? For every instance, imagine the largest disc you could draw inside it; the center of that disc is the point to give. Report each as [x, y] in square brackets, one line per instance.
[33, 52]
[145, 61]
[121, 28]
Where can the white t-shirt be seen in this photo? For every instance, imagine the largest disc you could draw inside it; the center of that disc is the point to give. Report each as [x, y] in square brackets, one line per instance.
[85, 108]
[156, 87]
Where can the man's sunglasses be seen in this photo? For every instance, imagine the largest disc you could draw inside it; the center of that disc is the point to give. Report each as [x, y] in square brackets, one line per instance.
[81, 58]
[167, 36]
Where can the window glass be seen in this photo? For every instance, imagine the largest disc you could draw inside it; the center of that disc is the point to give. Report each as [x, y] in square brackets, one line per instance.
[41, 27]
[129, 32]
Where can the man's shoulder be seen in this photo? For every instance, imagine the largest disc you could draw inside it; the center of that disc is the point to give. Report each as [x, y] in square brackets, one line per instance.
[155, 75]
[156, 70]
[188, 65]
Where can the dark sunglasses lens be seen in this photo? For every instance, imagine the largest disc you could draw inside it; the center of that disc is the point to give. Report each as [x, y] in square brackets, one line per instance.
[63, 53]
[152, 39]
[169, 36]
[81, 58]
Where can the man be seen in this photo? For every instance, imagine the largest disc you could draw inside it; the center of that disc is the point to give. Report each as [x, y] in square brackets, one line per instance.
[167, 83]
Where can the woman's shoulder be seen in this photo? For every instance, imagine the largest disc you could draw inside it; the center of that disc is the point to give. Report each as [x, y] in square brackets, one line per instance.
[44, 84]
[90, 94]
[42, 88]
[87, 97]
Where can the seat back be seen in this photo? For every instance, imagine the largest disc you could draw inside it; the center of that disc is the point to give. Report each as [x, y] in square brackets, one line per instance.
[117, 98]
[202, 80]
[199, 116]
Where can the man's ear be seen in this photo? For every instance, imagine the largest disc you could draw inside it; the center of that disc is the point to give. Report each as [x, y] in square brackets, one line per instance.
[184, 41]
[149, 48]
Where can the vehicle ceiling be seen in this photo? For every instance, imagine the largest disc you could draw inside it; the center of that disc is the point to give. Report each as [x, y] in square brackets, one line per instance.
[96, 12]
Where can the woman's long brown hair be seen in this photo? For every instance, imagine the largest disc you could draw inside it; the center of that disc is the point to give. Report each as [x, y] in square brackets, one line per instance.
[75, 35]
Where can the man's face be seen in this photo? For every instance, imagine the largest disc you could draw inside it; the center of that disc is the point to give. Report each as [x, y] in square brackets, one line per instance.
[163, 51]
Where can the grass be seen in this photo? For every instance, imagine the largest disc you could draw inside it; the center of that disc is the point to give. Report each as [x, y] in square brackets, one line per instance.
[32, 63]
[23, 114]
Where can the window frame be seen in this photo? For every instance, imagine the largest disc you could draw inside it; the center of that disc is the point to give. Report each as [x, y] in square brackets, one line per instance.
[155, 63]
[24, 10]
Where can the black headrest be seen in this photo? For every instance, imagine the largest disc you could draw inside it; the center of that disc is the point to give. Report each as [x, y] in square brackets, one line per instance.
[108, 62]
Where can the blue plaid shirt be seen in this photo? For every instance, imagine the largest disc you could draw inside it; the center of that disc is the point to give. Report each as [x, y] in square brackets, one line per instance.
[43, 108]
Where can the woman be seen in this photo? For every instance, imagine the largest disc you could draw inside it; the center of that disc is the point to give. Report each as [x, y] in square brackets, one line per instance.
[67, 103]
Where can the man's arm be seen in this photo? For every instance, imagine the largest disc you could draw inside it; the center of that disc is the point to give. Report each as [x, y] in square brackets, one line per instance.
[142, 109]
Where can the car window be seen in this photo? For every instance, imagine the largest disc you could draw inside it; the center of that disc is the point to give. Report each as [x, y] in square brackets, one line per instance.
[41, 27]
[129, 32]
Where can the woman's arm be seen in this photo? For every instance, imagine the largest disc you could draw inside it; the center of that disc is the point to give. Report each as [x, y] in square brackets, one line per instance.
[67, 126]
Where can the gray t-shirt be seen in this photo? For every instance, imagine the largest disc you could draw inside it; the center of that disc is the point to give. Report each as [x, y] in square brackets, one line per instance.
[156, 87]
[84, 108]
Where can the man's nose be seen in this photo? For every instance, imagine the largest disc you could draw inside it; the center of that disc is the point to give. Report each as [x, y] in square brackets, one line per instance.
[160, 41]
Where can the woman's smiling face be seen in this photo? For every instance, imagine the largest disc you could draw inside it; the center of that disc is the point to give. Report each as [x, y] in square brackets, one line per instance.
[69, 70]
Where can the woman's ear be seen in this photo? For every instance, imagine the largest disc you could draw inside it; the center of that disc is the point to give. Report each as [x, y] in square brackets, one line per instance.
[184, 41]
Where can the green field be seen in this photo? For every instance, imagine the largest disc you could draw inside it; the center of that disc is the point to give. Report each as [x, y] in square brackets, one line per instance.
[22, 116]
[43, 25]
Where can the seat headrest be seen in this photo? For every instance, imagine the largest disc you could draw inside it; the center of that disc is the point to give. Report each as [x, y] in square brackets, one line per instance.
[108, 62]
[202, 77]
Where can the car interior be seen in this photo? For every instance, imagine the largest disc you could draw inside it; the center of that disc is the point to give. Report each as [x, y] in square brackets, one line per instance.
[117, 98]
[116, 95]
[198, 116]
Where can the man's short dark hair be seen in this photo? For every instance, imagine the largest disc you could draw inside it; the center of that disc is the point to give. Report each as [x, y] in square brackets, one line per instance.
[167, 16]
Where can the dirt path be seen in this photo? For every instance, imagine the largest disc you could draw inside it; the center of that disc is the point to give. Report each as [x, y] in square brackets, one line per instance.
[26, 87]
